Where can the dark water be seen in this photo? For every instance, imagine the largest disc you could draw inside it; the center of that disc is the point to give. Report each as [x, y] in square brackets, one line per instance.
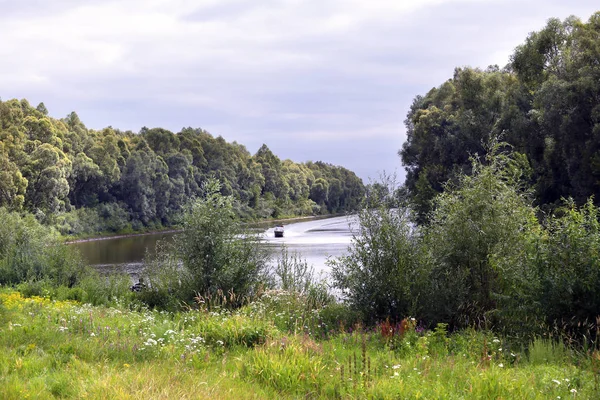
[314, 241]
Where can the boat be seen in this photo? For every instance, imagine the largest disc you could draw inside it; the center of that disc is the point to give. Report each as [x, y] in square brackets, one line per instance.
[279, 231]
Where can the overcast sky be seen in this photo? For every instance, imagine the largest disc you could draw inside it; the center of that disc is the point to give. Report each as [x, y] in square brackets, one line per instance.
[326, 80]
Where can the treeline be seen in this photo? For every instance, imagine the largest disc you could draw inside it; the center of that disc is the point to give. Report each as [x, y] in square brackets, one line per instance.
[83, 180]
[545, 103]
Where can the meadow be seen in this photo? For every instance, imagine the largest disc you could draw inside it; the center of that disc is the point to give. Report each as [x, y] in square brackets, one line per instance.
[276, 346]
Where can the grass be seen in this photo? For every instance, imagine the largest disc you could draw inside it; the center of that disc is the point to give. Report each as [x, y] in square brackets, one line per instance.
[272, 348]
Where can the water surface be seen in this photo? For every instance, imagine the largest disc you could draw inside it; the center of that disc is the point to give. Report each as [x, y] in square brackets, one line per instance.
[315, 241]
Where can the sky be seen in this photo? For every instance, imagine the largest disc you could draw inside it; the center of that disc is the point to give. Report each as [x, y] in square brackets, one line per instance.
[328, 80]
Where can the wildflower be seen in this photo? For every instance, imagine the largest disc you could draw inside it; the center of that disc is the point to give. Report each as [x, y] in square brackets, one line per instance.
[126, 365]
[556, 381]
[395, 366]
[573, 390]
[220, 342]
[92, 334]
[496, 340]
[501, 365]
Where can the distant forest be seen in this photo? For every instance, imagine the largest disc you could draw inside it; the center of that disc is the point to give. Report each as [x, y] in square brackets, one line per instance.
[545, 104]
[84, 181]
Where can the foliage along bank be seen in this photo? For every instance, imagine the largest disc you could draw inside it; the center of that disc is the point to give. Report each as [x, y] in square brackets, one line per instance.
[85, 181]
[485, 259]
[545, 103]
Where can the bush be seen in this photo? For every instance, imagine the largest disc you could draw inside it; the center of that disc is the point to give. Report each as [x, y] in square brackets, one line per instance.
[106, 290]
[31, 252]
[162, 278]
[216, 254]
[380, 276]
[569, 263]
[479, 237]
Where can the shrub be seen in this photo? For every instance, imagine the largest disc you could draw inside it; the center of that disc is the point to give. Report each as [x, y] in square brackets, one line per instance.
[162, 278]
[480, 233]
[569, 264]
[30, 251]
[105, 290]
[380, 276]
[216, 253]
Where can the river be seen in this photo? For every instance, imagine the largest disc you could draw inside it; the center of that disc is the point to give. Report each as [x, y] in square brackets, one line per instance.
[314, 241]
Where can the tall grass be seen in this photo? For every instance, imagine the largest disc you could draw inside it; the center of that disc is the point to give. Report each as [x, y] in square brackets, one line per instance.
[52, 348]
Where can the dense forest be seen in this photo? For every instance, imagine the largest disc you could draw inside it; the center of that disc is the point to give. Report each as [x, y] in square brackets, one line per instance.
[545, 104]
[84, 181]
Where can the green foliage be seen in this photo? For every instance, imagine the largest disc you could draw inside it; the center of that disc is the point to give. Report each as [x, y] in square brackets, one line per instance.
[31, 252]
[543, 351]
[216, 255]
[380, 277]
[483, 260]
[544, 103]
[294, 273]
[569, 263]
[120, 353]
[479, 231]
[163, 279]
[292, 366]
[50, 167]
[105, 290]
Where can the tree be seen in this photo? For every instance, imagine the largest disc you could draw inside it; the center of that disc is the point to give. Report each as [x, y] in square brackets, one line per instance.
[47, 174]
[84, 181]
[12, 183]
[216, 253]
[545, 103]
[319, 191]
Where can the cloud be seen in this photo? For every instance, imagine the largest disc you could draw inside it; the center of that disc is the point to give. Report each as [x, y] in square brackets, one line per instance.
[312, 72]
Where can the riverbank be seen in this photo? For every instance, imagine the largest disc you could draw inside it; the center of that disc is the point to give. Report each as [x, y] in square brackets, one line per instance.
[265, 223]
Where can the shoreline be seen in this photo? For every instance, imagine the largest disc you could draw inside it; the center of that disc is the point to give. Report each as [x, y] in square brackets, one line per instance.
[258, 223]
[120, 236]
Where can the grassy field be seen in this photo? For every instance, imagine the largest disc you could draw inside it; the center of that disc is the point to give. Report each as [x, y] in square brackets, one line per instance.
[272, 348]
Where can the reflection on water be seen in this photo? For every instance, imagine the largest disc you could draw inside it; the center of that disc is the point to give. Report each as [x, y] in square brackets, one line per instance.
[314, 241]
